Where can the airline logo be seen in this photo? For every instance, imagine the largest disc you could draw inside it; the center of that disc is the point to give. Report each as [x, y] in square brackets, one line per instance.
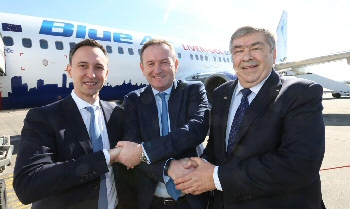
[64, 29]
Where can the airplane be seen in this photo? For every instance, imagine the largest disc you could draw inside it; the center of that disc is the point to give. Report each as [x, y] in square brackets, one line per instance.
[34, 55]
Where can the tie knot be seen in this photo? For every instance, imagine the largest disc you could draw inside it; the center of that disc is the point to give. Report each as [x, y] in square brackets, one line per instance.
[162, 95]
[246, 92]
[91, 109]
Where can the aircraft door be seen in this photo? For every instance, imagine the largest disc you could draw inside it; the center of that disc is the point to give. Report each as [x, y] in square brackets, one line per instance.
[2, 57]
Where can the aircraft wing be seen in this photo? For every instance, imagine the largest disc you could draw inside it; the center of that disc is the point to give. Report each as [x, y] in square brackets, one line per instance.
[295, 65]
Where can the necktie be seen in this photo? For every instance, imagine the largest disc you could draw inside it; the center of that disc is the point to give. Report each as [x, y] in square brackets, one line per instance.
[164, 115]
[170, 185]
[238, 119]
[97, 145]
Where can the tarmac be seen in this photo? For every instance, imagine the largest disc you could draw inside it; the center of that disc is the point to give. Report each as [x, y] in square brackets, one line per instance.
[335, 169]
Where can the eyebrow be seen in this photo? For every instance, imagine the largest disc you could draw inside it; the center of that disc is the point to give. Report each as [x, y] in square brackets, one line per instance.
[253, 44]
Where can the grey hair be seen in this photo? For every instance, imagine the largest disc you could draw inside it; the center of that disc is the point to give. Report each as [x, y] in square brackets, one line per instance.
[240, 32]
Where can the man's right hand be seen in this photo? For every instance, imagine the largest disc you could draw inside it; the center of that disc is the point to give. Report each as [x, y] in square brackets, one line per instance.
[181, 167]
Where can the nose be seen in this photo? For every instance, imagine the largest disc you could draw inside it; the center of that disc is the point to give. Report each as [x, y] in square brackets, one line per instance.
[158, 68]
[90, 72]
[247, 55]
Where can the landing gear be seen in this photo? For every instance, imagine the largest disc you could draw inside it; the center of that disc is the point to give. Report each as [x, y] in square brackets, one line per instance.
[336, 95]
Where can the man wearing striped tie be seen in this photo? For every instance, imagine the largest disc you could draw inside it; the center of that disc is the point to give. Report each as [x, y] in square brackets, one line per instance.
[64, 157]
[166, 120]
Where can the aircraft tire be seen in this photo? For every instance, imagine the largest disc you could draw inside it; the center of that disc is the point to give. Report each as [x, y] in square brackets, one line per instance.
[336, 95]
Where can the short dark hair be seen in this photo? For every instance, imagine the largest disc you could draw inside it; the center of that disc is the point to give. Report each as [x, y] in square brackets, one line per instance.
[157, 42]
[248, 30]
[86, 42]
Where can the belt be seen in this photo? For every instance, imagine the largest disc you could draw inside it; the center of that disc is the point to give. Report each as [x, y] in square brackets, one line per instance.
[170, 201]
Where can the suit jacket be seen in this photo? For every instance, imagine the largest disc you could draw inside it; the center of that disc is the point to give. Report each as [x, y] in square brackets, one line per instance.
[278, 148]
[189, 122]
[55, 166]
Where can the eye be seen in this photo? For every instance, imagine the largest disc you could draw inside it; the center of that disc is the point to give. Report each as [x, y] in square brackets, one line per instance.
[238, 51]
[82, 66]
[100, 68]
[150, 64]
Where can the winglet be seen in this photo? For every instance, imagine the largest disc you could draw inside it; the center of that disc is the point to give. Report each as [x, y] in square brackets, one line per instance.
[282, 38]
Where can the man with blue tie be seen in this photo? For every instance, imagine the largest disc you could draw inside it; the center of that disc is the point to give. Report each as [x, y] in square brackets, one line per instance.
[166, 120]
[267, 135]
[64, 157]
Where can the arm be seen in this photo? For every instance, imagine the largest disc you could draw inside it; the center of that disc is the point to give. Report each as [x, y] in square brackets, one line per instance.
[40, 160]
[189, 134]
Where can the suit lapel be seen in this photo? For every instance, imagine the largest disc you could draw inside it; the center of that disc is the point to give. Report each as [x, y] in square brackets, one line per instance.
[107, 112]
[267, 93]
[149, 113]
[174, 107]
[74, 120]
[226, 98]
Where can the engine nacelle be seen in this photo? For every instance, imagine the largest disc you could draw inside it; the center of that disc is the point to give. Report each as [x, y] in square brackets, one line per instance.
[215, 80]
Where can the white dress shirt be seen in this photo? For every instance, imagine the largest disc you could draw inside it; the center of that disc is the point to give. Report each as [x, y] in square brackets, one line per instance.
[236, 100]
[110, 180]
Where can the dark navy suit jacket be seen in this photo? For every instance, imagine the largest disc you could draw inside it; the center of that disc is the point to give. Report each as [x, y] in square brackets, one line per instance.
[189, 122]
[278, 149]
[55, 165]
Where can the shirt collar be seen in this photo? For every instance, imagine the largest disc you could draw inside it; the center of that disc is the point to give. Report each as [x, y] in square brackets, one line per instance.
[81, 104]
[168, 91]
[255, 89]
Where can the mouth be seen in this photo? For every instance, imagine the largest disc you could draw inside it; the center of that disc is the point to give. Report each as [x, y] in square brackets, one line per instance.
[249, 67]
[158, 77]
[90, 83]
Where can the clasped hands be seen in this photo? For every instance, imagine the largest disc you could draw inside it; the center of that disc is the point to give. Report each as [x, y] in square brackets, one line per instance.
[191, 175]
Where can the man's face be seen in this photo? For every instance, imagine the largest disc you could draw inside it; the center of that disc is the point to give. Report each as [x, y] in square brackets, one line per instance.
[252, 58]
[158, 66]
[89, 70]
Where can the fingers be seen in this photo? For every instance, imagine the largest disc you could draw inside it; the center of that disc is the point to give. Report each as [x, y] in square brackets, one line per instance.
[190, 164]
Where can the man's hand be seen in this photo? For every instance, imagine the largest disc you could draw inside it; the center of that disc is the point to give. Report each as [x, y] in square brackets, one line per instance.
[181, 167]
[114, 153]
[130, 154]
[198, 181]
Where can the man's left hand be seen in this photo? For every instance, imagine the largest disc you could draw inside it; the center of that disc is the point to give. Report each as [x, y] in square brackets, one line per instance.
[199, 180]
[130, 154]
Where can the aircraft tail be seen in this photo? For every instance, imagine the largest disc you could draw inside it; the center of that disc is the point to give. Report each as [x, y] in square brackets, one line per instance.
[282, 38]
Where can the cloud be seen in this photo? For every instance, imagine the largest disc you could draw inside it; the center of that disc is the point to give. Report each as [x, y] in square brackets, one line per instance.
[173, 4]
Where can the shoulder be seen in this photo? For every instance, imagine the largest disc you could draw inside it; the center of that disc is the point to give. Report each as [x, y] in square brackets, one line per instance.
[294, 84]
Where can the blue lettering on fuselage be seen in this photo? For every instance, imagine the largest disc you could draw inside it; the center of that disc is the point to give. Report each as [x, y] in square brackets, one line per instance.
[54, 28]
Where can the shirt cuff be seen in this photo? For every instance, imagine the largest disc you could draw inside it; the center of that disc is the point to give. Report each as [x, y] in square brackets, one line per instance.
[107, 156]
[216, 179]
[144, 151]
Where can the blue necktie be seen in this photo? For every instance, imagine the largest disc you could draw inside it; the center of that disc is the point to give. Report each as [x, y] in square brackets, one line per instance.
[170, 185]
[238, 119]
[97, 145]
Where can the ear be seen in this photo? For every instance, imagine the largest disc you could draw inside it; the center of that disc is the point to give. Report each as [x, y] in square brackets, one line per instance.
[142, 68]
[69, 70]
[176, 65]
[274, 55]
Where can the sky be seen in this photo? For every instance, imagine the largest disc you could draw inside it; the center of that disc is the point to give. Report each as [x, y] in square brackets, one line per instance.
[315, 27]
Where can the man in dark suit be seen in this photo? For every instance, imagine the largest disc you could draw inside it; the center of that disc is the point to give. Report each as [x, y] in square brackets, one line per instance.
[267, 135]
[156, 142]
[57, 165]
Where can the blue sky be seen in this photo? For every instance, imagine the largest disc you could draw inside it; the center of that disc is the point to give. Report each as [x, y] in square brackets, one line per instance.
[315, 27]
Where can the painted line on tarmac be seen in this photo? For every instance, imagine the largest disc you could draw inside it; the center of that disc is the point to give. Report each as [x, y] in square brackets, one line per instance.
[334, 168]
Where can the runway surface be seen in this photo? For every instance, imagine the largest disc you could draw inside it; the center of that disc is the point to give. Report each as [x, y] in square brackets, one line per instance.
[335, 169]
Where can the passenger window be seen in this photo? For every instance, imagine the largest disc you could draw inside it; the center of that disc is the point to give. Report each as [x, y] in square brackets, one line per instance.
[120, 50]
[8, 40]
[71, 44]
[201, 57]
[130, 51]
[191, 56]
[197, 57]
[219, 59]
[109, 49]
[179, 55]
[59, 45]
[43, 44]
[27, 42]
[206, 58]
[214, 59]
[139, 50]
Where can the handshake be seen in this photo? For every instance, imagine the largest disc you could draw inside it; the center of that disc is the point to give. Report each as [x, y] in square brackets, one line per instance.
[191, 175]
